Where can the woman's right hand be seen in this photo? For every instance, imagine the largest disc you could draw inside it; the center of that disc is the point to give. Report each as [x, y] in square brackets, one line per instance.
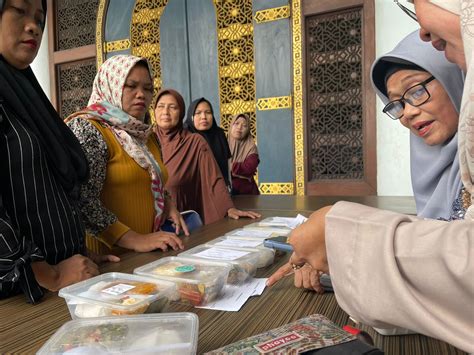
[143, 243]
[305, 277]
[67, 272]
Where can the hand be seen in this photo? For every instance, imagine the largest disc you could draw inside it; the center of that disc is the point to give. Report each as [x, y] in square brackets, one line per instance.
[143, 243]
[234, 213]
[309, 243]
[67, 272]
[75, 269]
[305, 277]
[99, 258]
[177, 218]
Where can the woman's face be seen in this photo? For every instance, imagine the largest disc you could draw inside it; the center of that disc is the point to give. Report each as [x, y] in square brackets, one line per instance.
[443, 29]
[203, 117]
[239, 128]
[436, 120]
[167, 112]
[137, 92]
[21, 31]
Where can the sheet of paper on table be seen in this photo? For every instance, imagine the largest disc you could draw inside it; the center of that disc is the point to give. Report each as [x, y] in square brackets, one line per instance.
[284, 221]
[221, 254]
[252, 233]
[236, 243]
[233, 297]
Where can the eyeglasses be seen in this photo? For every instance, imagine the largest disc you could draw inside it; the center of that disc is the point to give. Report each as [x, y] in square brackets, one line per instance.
[410, 13]
[415, 96]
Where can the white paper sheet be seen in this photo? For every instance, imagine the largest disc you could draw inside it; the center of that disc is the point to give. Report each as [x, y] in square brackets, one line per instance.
[239, 243]
[221, 254]
[289, 222]
[253, 233]
[232, 297]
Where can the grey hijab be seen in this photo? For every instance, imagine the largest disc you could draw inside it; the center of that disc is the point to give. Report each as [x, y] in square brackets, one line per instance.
[435, 177]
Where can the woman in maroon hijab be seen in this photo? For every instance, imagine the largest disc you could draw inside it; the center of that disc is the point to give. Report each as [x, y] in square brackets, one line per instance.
[244, 159]
[195, 181]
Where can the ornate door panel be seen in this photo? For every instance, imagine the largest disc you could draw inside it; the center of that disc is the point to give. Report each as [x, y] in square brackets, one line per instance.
[340, 118]
[207, 48]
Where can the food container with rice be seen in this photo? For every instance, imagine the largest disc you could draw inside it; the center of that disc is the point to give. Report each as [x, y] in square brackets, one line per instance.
[244, 263]
[165, 333]
[115, 293]
[266, 255]
[198, 281]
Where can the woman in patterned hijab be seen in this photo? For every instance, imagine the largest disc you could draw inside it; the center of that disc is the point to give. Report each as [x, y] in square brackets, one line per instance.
[124, 202]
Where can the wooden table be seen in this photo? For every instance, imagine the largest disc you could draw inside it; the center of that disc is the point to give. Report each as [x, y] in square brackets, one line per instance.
[24, 328]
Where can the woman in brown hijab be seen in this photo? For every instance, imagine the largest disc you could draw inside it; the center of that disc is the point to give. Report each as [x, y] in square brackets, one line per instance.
[194, 179]
[244, 159]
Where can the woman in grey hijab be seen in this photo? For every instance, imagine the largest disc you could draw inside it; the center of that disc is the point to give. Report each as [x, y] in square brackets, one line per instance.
[435, 174]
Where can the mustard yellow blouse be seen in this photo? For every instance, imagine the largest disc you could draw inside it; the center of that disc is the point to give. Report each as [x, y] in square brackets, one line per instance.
[118, 195]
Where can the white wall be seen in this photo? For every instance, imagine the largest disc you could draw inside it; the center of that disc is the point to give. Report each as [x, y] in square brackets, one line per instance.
[393, 160]
[40, 65]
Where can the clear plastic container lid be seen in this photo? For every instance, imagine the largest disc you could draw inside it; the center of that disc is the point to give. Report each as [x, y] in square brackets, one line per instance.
[266, 255]
[117, 294]
[244, 262]
[166, 333]
[198, 280]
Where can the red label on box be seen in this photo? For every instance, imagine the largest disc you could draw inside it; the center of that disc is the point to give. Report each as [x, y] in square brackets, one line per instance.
[278, 343]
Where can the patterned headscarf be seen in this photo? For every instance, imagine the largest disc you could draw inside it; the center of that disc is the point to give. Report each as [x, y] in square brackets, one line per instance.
[105, 106]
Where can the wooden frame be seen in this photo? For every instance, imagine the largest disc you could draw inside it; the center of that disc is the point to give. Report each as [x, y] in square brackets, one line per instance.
[57, 57]
[368, 186]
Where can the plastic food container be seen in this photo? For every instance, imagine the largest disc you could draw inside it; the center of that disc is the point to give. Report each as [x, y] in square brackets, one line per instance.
[244, 263]
[266, 256]
[116, 294]
[167, 333]
[257, 226]
[198, 281]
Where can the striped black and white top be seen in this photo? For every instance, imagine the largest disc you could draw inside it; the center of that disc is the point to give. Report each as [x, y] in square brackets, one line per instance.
[38, 220]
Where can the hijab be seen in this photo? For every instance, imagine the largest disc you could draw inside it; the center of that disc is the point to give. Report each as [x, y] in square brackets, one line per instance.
[170, 134]
[465, 8]
[214, 136]
[105, 106]
[241, 148]
[435, 173]
[22, 94]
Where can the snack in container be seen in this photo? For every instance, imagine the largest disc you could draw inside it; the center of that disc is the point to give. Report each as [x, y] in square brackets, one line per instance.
[115, 294]
[244, 263]
[198, 281]
[266, 255]
[165, 333]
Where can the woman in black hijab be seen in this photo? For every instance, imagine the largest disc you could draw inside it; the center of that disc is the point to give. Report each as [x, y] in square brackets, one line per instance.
[41, 169]
[201, 120]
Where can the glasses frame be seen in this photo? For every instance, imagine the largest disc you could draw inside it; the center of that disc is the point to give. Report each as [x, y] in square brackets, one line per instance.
[406, 10]
[402, 99]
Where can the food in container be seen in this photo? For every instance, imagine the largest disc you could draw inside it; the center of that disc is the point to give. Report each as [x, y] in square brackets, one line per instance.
[166, 333]
[117, 294]
[244, 263]
[198, 281]
[266, 255]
